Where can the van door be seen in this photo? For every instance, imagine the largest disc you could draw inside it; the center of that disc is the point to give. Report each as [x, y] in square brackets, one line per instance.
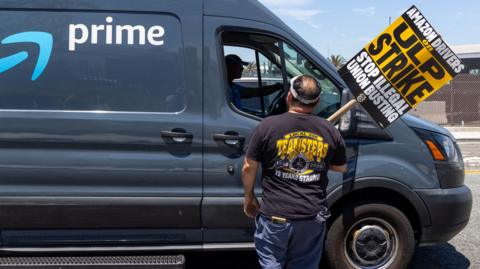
[272, 58]
[104, 147]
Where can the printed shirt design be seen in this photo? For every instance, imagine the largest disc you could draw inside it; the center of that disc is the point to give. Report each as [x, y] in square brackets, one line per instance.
[300, 157]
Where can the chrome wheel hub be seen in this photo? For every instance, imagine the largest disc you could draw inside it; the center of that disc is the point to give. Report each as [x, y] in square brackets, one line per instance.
[371, 243]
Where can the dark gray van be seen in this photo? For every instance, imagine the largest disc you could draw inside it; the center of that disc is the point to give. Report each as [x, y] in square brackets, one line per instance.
[117, 132]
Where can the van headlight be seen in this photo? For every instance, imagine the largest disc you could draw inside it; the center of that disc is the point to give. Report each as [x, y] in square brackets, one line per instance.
[440, 146]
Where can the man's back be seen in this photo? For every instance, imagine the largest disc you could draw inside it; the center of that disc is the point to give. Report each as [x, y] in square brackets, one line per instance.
[295, 151]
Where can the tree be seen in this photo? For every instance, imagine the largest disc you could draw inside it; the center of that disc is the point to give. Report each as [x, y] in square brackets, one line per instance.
[337, 60]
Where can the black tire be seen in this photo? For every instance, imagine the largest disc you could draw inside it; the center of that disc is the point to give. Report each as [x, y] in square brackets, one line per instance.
[369, 224]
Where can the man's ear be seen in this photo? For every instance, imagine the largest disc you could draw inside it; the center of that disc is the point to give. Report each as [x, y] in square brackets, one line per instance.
[289, 97]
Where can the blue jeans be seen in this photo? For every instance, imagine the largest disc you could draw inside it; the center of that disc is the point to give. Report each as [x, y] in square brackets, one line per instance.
[297, 244]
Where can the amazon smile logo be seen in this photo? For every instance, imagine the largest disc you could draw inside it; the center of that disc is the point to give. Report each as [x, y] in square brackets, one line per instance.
[42, 39]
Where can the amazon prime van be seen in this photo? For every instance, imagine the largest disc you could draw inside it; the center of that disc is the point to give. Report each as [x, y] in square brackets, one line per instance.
[118, 132]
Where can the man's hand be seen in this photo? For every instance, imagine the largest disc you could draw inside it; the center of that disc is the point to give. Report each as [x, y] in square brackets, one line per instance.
[251, 206]
[338, 168]
[250, 203]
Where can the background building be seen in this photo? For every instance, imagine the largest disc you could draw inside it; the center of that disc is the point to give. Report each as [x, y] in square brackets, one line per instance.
[458, 102]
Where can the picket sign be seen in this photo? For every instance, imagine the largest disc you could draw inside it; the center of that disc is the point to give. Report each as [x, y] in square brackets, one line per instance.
[399, 69]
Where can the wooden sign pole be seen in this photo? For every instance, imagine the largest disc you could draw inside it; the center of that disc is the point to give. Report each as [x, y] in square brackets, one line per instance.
[344, 109]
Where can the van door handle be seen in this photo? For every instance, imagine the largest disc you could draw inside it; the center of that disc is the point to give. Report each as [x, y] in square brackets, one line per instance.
[179, 136]
[233, 140]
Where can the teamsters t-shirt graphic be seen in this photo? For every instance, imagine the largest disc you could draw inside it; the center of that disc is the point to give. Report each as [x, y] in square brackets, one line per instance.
[296, 151]
[300, 157]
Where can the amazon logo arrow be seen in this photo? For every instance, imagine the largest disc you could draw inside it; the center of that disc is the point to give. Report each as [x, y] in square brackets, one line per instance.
[44, 42]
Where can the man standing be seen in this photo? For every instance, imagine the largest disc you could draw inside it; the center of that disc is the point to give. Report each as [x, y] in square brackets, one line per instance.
[296, 150]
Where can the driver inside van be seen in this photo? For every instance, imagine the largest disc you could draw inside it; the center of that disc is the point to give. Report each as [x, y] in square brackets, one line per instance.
[235, 67]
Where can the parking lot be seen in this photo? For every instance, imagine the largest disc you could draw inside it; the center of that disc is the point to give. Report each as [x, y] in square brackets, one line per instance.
[460, 253]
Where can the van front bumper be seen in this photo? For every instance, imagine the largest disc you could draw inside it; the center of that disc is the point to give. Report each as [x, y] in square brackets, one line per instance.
[449, 213]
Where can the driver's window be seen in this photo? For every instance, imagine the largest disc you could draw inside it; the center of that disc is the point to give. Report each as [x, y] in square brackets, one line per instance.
[270, 74]
[255, 79]
[257, 84]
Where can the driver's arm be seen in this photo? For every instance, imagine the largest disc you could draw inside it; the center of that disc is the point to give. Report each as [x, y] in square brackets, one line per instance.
[260, 91]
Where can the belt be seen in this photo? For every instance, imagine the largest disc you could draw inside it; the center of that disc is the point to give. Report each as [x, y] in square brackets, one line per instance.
[282, 220]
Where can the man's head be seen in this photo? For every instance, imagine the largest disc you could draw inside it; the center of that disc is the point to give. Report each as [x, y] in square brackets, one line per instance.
[234, 66]
[304, 93]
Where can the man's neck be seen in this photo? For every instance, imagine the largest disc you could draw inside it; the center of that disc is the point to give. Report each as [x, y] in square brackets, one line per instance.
[299, 110]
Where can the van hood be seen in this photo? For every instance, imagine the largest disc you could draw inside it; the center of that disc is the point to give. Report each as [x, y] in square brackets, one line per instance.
[416, 122]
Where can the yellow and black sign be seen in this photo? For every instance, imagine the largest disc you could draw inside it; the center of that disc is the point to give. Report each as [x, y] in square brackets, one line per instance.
[400, 68]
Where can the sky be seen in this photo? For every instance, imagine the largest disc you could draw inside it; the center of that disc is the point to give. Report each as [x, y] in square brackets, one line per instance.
[345, 26]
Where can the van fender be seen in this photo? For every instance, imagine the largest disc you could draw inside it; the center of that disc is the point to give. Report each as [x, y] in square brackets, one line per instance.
[405, 191]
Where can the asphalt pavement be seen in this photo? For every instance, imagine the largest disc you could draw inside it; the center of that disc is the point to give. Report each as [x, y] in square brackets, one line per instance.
[471, 156]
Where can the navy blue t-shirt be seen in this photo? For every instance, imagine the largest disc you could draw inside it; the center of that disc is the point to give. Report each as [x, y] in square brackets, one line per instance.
[236, 94]
[295, 151]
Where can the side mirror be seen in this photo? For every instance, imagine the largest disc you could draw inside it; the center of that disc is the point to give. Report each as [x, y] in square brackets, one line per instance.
[357, 123]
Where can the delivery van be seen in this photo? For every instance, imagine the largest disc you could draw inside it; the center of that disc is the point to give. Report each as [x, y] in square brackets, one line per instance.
[118, 133]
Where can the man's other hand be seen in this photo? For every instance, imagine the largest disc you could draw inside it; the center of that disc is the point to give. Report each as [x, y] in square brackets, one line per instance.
[251, 206]
[338, 168]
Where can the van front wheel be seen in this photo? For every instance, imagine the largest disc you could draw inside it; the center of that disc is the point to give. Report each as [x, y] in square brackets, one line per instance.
[370, 236]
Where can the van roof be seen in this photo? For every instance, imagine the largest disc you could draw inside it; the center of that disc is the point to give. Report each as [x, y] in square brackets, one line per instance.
[243, 9]
[254, 10]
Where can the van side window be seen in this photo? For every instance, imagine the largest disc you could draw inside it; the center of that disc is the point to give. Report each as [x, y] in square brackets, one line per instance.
[259, 69]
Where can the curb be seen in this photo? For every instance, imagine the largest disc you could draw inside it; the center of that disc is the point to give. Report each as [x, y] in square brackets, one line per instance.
[468, 140]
